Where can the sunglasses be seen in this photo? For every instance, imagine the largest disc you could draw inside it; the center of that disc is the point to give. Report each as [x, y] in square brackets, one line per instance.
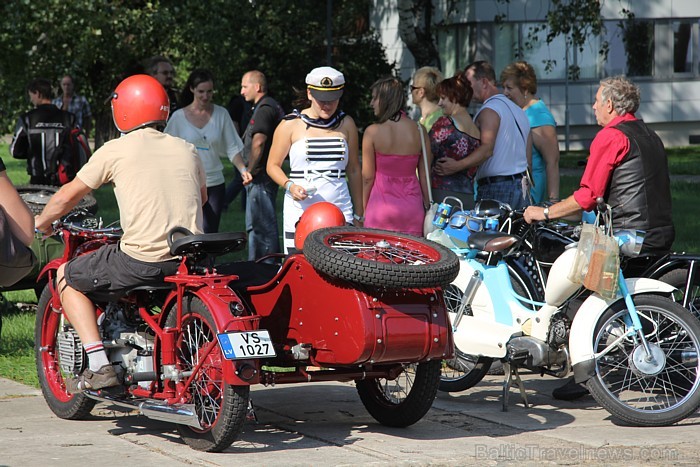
[413, 88]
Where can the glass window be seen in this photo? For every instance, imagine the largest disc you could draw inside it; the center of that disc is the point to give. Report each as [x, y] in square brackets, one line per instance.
[682, 46]
[548, 60]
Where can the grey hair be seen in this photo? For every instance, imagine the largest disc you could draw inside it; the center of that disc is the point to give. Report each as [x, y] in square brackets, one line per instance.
[623, 94]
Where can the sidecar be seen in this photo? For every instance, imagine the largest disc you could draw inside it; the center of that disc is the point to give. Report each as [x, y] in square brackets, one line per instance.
[359, 305]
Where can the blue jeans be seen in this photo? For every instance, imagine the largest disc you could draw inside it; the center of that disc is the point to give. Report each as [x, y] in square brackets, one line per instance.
[232, 189]
[508, 191]
[213, 207]
[261, 219]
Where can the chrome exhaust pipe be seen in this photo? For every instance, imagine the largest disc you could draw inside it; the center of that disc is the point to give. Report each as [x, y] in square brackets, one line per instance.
[182, 414]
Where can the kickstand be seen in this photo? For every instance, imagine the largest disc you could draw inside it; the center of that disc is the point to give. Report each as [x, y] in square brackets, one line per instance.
[511, 373]
[251, 416]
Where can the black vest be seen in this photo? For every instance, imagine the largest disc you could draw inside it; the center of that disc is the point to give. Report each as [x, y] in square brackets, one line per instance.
[640, 188]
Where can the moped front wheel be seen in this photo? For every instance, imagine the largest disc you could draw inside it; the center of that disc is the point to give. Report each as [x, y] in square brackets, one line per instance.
[379, 258]
[51, 370]
[402, 401]
[643, 391]
[221, 408]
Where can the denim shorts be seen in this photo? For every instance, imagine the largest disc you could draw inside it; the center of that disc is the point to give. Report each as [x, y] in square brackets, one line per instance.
[108, 273]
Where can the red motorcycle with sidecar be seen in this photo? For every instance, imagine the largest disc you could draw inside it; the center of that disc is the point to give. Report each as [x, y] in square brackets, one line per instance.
[357, 305]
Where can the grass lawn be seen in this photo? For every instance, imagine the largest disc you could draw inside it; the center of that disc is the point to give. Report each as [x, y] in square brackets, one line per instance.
[17, 338]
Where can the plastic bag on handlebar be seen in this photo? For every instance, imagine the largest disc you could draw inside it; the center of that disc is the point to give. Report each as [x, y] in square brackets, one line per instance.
[597, 262]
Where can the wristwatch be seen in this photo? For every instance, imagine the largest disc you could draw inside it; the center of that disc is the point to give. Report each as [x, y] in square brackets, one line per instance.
[546, 213]
[358, 218]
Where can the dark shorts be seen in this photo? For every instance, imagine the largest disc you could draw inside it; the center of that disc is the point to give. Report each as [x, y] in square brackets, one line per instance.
[108, 273]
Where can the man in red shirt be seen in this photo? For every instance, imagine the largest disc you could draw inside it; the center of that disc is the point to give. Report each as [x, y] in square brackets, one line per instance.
[628, 167]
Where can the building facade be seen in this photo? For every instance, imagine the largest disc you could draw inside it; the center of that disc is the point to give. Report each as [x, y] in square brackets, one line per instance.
[656, 43]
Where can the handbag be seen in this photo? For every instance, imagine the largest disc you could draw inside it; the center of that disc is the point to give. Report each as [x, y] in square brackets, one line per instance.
[428, 226]
[16, 259]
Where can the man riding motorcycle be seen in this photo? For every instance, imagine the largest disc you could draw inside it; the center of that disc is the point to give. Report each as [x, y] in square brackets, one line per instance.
[159, 184]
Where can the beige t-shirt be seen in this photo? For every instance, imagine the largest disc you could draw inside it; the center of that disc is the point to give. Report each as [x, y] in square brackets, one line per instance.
[157, 180]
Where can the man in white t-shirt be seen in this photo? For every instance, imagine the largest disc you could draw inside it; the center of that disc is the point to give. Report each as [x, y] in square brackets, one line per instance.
[506, 144]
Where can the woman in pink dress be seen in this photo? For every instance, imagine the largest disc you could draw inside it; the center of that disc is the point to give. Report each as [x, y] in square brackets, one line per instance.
[395, 198]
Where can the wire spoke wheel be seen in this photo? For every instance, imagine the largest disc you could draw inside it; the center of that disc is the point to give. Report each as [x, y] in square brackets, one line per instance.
[221, 408]
[678, 279]
[207, 387]
[402, 401]
[52, 377]
[462, 371]
[380, 258]
[641, 389]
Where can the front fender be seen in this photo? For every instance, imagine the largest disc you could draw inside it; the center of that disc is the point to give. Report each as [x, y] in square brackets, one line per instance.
[587, 317]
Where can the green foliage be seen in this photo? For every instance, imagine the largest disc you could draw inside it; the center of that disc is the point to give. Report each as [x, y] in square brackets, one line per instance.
[102, 41]
[575, 20]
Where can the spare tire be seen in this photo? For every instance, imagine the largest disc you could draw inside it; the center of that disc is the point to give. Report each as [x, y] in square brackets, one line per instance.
[380, 258]
[38, 196]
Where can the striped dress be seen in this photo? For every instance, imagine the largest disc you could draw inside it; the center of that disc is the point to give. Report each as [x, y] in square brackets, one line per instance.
[318, 164]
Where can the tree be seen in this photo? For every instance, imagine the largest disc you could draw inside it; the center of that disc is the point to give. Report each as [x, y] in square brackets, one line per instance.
[416, 31]
[576, 21]
[102, 41]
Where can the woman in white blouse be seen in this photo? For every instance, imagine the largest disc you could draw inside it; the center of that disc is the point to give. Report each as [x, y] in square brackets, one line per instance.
[209, 127]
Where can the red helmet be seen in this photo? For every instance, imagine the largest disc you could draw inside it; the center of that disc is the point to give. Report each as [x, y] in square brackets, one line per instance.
[138, 101]
[317, 216]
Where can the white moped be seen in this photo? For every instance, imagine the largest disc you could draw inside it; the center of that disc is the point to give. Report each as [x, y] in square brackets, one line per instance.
[636, 351]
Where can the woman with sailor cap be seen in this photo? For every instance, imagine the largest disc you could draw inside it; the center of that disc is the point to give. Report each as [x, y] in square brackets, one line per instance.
[322, 144]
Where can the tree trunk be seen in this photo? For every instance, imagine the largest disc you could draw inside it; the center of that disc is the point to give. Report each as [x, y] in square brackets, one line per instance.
[415, 29]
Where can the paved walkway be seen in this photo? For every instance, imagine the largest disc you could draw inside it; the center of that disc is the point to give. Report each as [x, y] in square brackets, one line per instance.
[325, 424]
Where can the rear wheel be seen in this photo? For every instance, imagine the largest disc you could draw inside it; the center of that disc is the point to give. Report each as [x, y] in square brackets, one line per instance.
[221, 408]
[380, 258]
[465, 371]
[641, 391]
[678, 279]
[51, 375]
[402, 401]
[462, 371]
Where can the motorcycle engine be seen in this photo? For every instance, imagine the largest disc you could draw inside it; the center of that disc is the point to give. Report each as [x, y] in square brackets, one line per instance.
[71, 355]
[128, 341]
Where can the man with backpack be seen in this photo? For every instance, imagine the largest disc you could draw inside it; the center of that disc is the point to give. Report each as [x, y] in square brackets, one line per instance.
[42, 136]
[261, 213]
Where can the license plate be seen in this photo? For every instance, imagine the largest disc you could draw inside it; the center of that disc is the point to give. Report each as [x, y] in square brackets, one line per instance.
[246, 344]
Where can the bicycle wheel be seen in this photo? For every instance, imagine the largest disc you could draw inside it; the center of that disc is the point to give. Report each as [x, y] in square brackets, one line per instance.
[642, 392]
[380, 258]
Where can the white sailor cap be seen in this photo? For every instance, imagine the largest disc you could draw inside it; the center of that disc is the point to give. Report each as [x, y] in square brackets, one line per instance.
[325, 83]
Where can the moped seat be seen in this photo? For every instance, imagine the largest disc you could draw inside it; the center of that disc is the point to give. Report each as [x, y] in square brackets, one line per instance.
[214, 244]
[492, 241]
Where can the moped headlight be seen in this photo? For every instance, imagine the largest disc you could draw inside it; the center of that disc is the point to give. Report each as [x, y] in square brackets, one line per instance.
[630, 241]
